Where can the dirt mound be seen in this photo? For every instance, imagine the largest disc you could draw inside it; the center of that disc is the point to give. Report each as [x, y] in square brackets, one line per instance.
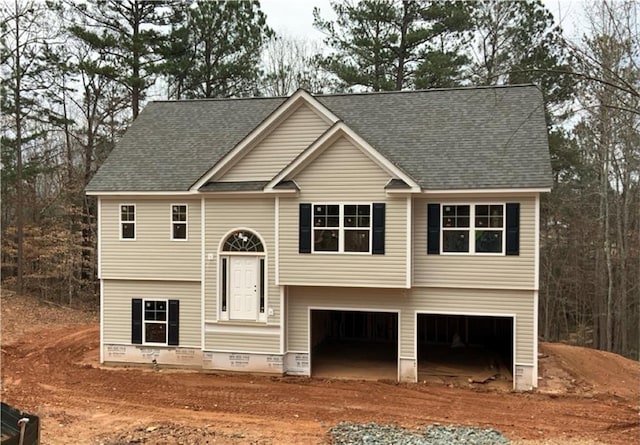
[573, 369]
[46, 371]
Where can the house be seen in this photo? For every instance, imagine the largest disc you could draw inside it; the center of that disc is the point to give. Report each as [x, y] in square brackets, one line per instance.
[276, 234]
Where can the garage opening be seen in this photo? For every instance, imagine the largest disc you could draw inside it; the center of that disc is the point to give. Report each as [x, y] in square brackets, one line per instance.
[463, 348]
[354, 344]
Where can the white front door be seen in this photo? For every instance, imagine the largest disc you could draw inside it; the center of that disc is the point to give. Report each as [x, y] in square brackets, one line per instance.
[243, 284]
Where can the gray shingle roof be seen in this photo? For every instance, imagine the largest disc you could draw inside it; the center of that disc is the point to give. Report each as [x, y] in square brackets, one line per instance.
[242, 186]
[465, 138]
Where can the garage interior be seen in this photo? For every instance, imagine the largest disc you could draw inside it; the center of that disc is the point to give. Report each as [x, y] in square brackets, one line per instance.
[354, 345]
[463, 348]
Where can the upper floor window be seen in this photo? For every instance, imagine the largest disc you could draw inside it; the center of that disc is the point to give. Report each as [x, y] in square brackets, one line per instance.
[342, 228]
[473, 228]
[127, 221]
[179, 222]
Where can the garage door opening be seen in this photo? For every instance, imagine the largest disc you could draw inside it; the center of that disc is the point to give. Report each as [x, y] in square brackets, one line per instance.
[354, 344]
[463, 348]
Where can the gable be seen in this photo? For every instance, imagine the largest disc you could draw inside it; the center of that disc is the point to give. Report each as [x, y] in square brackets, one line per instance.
[437, 140]
[342, 171]
[276, 150]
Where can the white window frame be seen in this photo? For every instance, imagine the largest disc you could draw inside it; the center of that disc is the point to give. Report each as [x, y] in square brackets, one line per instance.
[228, 256]
[472, 229]
[134, 222]
[144, 321]
[185, 222]
[341, 228]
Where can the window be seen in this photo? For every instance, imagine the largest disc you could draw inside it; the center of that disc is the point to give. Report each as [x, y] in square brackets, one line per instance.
[357, 228]
[154, 321]
[179, 222]
[342, 228]
[127, 221]
[473, 228]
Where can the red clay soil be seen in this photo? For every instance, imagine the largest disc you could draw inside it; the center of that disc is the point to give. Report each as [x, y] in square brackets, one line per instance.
[52, 371]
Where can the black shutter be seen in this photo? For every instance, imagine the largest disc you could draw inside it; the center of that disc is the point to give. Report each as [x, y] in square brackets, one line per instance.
[136, 321]
[174, 315]
[433, 229]
[378, 228]
[513, 229]
[304, 240]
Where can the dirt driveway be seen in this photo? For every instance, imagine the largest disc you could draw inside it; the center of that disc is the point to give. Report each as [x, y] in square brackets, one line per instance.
[52, 371]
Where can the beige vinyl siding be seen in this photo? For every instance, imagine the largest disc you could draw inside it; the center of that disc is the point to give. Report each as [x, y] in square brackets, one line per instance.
[409, 302]
[239, 342]
[225, 215]
[343, 174]
[300, 299]
[475, 271]
[476, 301]
[279, 148]
[152, 255]
[117, 308]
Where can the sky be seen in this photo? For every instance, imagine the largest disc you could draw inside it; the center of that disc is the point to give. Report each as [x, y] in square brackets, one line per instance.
[295, 18]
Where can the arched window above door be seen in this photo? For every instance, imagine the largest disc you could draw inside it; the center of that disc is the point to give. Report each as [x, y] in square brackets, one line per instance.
[242, 241]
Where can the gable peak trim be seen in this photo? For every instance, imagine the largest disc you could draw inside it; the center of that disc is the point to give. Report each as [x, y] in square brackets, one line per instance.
[292, 103]
[337, 130]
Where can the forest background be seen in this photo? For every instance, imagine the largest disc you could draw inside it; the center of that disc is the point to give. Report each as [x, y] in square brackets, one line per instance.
[75, 74]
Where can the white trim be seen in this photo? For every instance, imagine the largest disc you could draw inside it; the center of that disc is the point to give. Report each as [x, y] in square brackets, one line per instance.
[472, 229]
[524, 364]
[150, 345]
[102, 321]
[99, 235]
[276, 247]
[172, 222]
[359, 285]
[224, 328]
[535, 338]
[341, 228]
[159, 194]
[282, 318]
[262, 317]
[536, 285]
[351, 309]
[328, 138]
[156, 278]
[134, 222]
[165, 322]
[287, 107]
[409, 235]
[251, 193]
[203, 269]
[536, 244]
[508, 191]
[469, 314]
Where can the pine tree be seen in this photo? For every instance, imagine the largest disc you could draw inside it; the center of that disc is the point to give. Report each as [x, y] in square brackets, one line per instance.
[390, 44]
[125, 33]
[214, 49]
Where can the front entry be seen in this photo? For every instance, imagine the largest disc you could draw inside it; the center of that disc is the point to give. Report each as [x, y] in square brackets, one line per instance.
[243, 286]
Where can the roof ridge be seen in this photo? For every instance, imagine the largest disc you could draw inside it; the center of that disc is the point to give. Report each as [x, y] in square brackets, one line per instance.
[430, 90]
[362, 93]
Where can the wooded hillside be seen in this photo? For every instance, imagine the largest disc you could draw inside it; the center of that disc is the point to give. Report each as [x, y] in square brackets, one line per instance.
[76, 73]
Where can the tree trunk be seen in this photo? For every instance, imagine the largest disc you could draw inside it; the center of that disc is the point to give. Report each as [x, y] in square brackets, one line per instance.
[19, 185]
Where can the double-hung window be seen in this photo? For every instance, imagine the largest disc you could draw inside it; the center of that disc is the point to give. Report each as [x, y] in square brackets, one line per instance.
[342, 228]
[178, 221]
[155, 321]
[127, 221]
[473, 228]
